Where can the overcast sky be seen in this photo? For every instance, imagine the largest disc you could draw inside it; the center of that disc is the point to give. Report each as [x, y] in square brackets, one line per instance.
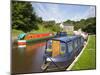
[63, 12]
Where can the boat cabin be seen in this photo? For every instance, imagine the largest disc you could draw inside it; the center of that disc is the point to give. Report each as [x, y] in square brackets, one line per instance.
[63, 48]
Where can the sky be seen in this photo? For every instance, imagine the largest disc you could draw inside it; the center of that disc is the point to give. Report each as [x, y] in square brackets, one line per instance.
[63, 12]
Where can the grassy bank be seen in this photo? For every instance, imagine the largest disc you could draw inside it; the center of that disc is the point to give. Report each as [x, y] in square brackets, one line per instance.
[41, 29]
[16, 32]
[88, 58]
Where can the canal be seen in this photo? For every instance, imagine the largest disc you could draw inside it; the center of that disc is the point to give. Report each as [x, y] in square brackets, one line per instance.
[27, 59]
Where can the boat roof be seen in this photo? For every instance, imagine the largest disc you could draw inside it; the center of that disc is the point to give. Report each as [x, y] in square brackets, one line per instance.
[65, 38]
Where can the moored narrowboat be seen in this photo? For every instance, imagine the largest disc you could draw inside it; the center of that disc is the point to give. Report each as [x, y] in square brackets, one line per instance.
[63, 49]
[31, 37]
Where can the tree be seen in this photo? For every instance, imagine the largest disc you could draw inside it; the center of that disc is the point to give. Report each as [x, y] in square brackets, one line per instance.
[87, 25]
[90, 26]
[23, 16]
[80, 24]
[69, 22]
[49, 24]
[90, 29]
[55, 28]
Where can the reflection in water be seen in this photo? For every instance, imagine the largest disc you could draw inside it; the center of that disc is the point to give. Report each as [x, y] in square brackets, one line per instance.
[31, 47]
[28, 59]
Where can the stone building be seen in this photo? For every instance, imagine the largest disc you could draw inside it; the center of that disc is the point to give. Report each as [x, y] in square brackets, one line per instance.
[67, 27]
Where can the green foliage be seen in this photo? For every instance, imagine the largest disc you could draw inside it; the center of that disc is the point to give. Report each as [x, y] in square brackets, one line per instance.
[23, 16]
[90, 29]
[16, 32]
[39, 20]
[41, 29]
[55, 28]
[87, 25]
[48, 24]
[69, 22]
[90, 26]
[51, 25]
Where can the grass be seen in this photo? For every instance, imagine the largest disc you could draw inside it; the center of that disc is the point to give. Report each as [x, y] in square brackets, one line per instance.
[16, 32]
[41, 29]
[88, 58]
[70, 32]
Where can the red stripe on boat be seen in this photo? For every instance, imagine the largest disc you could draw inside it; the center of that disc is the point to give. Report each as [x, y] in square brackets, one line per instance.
[21, 43]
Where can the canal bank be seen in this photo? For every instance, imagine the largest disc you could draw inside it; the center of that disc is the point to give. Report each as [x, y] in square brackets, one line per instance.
[76, 59]
[87, 60]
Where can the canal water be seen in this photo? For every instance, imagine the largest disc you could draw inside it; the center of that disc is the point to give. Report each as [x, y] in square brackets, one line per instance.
[27, 59]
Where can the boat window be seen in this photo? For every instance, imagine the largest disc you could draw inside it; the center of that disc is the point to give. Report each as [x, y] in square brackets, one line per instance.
[75, 43]
[63, 48]
[49, 46]
[70, 47]
[82, 40]
[78, 41]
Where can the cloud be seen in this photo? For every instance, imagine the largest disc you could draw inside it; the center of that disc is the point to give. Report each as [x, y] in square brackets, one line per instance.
[61, 13]
[49, 11]
[91, 12]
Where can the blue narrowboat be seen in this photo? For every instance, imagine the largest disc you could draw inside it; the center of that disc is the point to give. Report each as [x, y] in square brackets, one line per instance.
[63, 49]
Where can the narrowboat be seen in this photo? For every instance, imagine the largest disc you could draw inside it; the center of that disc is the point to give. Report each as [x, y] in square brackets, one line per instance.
[31, 37]
[63, 49]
